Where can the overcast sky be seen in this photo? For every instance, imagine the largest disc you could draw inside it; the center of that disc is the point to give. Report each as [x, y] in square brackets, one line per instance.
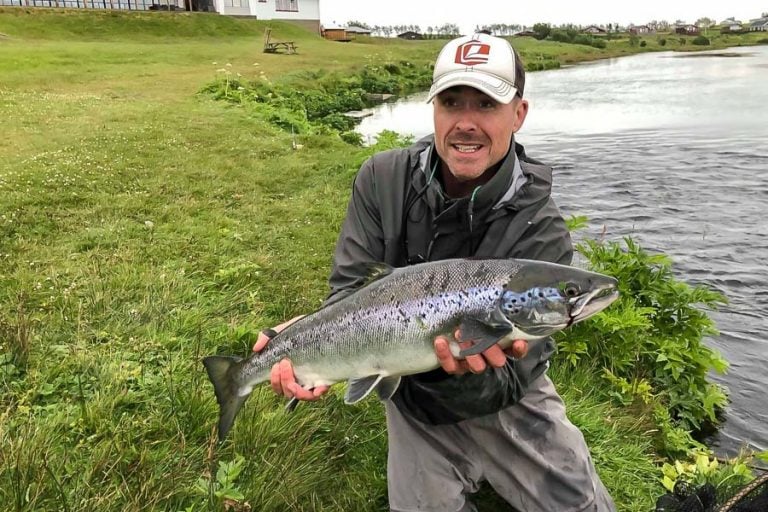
[467, 14]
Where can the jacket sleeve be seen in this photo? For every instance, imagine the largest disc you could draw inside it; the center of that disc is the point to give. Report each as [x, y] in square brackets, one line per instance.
[436, 397]
[361, 239]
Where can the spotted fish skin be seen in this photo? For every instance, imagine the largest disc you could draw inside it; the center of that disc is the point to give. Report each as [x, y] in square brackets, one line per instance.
[387, 328]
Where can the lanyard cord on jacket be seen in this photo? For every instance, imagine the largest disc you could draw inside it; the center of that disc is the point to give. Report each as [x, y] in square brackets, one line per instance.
[419, 257]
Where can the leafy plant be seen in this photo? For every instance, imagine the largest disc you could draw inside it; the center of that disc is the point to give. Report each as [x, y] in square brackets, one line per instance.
[726, 478]
[223, 488]
[650, 342]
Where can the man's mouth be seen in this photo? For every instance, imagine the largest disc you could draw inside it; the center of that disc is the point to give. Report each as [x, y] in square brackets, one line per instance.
[467, 148]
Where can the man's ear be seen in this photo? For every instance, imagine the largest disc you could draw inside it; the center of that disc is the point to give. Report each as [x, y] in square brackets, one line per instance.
[521, 110]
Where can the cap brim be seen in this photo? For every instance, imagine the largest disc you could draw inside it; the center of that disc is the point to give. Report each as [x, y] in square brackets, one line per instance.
[498, 89]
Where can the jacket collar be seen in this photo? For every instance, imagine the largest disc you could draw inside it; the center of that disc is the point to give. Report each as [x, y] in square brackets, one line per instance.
[519, 182]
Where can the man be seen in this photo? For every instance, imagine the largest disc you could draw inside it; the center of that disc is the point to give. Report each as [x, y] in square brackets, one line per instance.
[469, 190]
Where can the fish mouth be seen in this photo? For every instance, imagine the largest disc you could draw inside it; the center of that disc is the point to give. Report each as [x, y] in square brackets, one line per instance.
[588, 304]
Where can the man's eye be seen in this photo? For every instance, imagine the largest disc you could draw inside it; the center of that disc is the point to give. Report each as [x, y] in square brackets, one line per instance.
[487, 105]
[449, 102]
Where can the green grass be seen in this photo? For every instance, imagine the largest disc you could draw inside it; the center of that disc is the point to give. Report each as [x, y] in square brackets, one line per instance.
[143, 226]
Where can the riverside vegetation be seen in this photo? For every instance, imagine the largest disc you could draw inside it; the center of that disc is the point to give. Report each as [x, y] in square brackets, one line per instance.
[144, 224]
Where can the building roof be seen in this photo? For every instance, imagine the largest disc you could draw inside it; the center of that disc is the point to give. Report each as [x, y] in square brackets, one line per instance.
[357, 30]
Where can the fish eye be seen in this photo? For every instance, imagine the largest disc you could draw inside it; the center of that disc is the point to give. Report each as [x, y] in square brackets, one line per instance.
[571, 290]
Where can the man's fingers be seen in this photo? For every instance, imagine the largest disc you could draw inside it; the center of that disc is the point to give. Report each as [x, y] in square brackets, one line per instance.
[307, 394]
[444, 356]
[495, 356]
[268, 334]
[263, 339]
[474, 363]
[286, 377]
[519, 349]
[319, 391]
[274, 379]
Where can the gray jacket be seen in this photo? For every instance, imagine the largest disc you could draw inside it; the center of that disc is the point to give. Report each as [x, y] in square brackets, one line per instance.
[399, 215]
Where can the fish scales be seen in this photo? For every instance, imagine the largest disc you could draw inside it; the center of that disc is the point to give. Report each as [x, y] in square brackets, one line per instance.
[395, 311]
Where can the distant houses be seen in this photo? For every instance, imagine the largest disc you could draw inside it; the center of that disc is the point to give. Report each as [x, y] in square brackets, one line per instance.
[758, 25]
[730, 26]
[410, 35]
[594, 30]
[641, 30]
[687, 30]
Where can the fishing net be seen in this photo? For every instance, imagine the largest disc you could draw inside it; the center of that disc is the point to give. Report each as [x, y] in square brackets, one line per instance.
[687, 498]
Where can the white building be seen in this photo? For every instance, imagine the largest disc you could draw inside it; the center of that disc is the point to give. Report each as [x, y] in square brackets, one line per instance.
[304, 12]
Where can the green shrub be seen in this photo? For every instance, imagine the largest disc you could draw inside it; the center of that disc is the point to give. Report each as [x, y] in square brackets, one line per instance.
[542, 64]
[650, 341]
[583, 39]
[662, 42]
[560, 36]
[541, 30]
[598, 43]
[315, 102]
[388, 139]
[700, 41]
[352, 137]
[643, 44]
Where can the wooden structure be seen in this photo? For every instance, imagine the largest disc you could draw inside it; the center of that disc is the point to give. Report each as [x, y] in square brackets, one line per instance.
[271, 46]
[336, 34]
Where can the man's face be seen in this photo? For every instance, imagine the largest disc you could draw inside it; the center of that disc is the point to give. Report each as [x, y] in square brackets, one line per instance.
[473, 131]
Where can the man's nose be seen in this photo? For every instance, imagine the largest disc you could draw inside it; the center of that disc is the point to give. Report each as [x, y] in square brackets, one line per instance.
[466, 121]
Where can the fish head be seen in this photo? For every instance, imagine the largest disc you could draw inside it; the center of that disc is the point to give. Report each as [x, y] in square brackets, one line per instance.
[542, 298]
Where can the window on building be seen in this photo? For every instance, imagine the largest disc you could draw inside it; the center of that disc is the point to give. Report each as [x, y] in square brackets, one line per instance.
[235, 3]
[287, 5]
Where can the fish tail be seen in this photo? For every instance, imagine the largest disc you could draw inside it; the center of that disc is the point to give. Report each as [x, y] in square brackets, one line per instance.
[226, 389]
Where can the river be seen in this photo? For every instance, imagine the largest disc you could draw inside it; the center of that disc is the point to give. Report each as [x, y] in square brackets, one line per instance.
[671, 149]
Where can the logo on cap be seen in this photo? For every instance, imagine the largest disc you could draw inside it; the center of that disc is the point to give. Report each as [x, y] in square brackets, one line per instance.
[472, 53]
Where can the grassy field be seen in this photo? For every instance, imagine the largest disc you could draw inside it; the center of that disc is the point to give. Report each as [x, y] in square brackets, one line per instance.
[143, 226]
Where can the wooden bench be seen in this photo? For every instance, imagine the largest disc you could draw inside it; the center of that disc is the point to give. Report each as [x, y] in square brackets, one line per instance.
[288, 47]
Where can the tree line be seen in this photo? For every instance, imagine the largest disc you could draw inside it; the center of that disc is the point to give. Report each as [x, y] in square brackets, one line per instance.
[431, 32]
[542, 30]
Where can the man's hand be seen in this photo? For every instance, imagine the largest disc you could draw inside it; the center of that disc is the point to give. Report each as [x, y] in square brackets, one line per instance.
[494, 356]
[281, 377]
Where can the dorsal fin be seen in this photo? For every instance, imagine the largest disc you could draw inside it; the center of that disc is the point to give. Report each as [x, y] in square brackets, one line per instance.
[375, 270]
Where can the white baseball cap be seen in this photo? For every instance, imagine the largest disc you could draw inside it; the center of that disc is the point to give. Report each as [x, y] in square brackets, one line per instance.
[484, 62]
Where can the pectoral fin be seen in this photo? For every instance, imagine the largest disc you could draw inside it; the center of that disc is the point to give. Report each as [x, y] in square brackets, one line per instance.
[483, 336]
[357, 389]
